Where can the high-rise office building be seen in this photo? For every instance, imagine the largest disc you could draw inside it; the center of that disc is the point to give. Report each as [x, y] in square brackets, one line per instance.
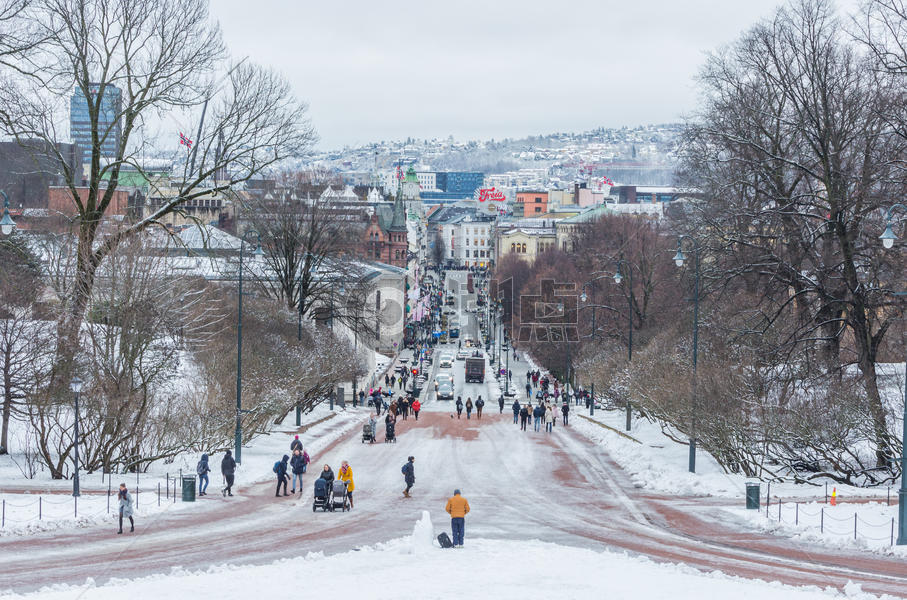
[108, 121]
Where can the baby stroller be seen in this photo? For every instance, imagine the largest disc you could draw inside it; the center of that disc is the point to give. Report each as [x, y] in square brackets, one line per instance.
[338, 496]
[367, 434]
[322, 499]
[389, 435]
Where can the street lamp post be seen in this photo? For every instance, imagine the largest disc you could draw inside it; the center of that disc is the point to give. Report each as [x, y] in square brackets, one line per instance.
[237, 444]
[617, 279]
[76, 386]
[679, 259]
[7, 225]
[888, 238]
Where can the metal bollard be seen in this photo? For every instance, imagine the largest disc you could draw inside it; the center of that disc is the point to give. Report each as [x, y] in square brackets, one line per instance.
[75, 507]
[158, 493]
[822, 520]
[797, 515]
[39, 508]
[108, 495]
[854, 526]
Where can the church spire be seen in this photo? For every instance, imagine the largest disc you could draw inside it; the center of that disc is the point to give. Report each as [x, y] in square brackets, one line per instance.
[398, 223]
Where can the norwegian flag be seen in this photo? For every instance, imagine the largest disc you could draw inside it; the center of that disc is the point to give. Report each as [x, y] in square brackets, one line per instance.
[399, 173]
[607, 181]
[185, 141]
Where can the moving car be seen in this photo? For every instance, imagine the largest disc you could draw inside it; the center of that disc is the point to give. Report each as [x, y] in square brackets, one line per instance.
[462, 354]
[445, 391]
[446, 361]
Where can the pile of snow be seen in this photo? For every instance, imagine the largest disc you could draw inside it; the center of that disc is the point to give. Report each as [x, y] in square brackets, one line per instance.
[422, 538]
[832, 526]
[502, 569]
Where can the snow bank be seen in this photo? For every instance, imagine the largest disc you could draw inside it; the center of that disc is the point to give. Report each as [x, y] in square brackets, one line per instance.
[866, 526]
[504, 570]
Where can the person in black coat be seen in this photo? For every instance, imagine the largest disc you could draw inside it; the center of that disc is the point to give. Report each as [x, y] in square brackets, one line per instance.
[282, 476]
[516, 410]
[228, 470]
[459, 406]
[524, 417]
[501, 405]
[296, 445]
[565, 410]
[297, 463]
[328, 475]
[409, 475]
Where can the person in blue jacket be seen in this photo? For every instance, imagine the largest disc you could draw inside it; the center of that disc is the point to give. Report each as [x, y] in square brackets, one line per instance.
[516, 410]
[298, 465]
[537, 413]
[281, 470]
[202, 469]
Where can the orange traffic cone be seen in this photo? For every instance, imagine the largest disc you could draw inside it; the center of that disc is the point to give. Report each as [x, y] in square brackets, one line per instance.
[834, 496]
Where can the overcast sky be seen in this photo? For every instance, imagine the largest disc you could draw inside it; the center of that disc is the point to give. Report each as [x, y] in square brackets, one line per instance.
[374, 70]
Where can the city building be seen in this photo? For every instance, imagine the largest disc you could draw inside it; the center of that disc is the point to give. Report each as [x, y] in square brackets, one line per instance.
[385, 238]
[109, 110]
[464, 234]
[28, 168]
[526, 242]
[533, 202]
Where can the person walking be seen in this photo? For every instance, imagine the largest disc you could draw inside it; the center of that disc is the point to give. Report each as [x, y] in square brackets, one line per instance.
[565, 410]
[480, 404]
[125, 499]
[295, 444]
[346, 474]
[280, 468]
[549, 418]
[409, 475]
[361, 397]
[528, 377]
[524, 417]
[297, 464]
[202, 469]
[457, 507]
[528, 390]
[373, 423]
[468, 408]
[501, 404]
[393, 381]
[537, 413]
[404, 407]
[417, 406]
[228, 470]
[387, 380]
[516, 411]
[459, 406]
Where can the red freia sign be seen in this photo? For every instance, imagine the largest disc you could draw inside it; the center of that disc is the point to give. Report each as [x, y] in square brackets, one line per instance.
[491, 194]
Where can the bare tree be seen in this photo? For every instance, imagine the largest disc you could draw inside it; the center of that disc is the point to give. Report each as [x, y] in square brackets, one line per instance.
[160, 55]
[26, 340]
[310, 248]
[795, 160]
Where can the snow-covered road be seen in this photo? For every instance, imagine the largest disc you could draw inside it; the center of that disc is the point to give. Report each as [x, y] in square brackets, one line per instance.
[558, 488]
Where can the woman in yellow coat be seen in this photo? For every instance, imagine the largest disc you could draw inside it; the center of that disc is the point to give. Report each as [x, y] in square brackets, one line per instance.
[346, 474]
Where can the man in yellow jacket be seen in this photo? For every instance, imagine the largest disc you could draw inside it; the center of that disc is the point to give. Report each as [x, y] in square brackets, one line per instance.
[457, 507]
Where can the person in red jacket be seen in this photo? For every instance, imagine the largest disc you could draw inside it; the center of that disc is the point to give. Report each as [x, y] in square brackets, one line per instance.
[417, 406]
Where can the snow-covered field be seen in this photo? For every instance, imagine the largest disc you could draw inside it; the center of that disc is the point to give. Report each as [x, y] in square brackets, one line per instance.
[415, 566]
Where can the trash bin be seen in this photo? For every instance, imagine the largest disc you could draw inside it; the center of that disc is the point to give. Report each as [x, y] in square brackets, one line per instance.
[188, 488]
[752, 495]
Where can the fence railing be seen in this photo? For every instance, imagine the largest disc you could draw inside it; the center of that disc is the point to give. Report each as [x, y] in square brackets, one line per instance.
[47, 507]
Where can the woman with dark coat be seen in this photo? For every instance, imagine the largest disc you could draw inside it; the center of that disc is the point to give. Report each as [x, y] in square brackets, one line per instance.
[328, 475]
[282, 476]
[298, 465]
[228, 469]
